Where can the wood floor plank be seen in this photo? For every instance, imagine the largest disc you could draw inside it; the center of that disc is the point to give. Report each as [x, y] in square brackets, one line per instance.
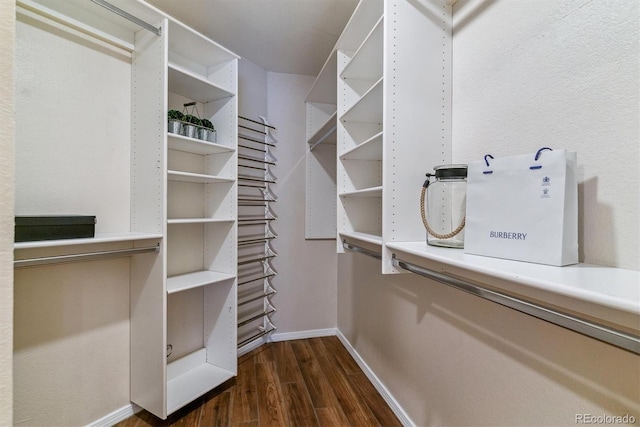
[343, 358]
[374, 401]
[265, 354]
[286, 363]
[247, 424]
[320, 389]
[298, 403]
[352, 404]
[271, 406]
[332, 417]
[215, 410]
[244, 396]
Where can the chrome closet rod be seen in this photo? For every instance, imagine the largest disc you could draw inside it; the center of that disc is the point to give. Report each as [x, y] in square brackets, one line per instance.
[255, 121]
[253, 159]
[88, 256]
[260, 219]
[266, 276]
[259, 297]
[255, 140]
[254, 318]
[254, 260]
[325, 136]
[252, 167]
[250, 178]
[249, 242]
[360, 249]
[262, 187]
[252, 148]
[253, 130]
[128, 16]
[256, 336]
[569, 321]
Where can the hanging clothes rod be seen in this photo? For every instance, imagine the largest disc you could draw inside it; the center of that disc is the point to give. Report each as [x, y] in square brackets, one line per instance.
[251, 178]
[255, 140]
[254, 241]
[253, 159]
[256, 336]
[252, 167]
[128, 16]
[88, 256]
[255, 121]
[254, 202]
[572, 322]
[259, 316]
[360, 249]
[321, 140]
[262, 219]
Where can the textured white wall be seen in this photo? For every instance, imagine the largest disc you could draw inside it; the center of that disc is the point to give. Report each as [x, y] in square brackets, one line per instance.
[306, 280]
[71, 324]
[563, 74]
[7, 141]
[527, 73]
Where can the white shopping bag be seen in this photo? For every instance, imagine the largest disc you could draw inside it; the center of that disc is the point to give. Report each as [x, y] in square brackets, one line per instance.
[524, 207]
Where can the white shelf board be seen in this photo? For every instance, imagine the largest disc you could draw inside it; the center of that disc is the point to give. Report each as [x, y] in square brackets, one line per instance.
[364, 17]
[197, 220]
[366, 63]
[195, 146]
[362, 237]
[327, 132]
[190, 377]
[196, 279]
[98, 239]
[195, 177]
[367, 109]
[611, 287]
[366, 192]
[323, 90]
[193, 86]
[196, 47]
[371, 149]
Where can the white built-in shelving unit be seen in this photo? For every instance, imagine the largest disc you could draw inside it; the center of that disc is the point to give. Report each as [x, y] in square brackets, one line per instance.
[183, 200]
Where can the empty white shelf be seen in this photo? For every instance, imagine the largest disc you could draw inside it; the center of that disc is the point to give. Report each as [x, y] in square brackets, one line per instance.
[326, 134]
[195, 177]
[98, 239]
[367, 109]
[367, 61]
[193, 86]
[197, 220]
[196, 279]
[195, 146]
[367, 192]
[362, 237]
[370, 149]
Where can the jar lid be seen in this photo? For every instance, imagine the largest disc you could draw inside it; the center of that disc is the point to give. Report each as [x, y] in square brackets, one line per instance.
[450, 171]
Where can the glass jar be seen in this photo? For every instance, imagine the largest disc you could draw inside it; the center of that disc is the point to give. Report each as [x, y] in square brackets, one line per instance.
[443, 211]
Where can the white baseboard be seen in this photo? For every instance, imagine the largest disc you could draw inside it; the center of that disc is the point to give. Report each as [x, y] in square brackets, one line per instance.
[386, 395]
[116, 416]
[300, 335]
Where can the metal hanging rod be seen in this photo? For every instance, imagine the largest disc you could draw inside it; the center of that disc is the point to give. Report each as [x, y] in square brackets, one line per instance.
[259, 316]
[252, 130]
[256, 219]
[254, 202]
[256, 336]
[255, 121]
[88, 256]
[255, 260]
[253, 139]
[255, 241]
[155, 30]
[262, 187]
[252, 148]
[252, 167]
[360, 249]
[266, 276]
[253, 159]
[259, 297]
[569, 321]
[322, 138]
[251, 178]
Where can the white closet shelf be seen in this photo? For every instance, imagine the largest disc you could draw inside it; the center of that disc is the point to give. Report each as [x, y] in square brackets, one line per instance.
[98, 239]
[326, 134]
[371, 149]
[183, 282]
[196, 47]
[190, 377]
[366, 63]
[198, 220]
[195, 177]
[195, 146]
[193, 86]
[603, 286]
[357, 236]
[323, 89]
[366, 192]
[367, 109]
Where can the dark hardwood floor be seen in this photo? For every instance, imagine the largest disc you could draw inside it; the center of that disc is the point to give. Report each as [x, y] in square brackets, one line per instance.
[310, 382]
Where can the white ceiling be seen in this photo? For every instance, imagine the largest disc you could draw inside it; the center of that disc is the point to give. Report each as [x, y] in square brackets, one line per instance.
[287, 36]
